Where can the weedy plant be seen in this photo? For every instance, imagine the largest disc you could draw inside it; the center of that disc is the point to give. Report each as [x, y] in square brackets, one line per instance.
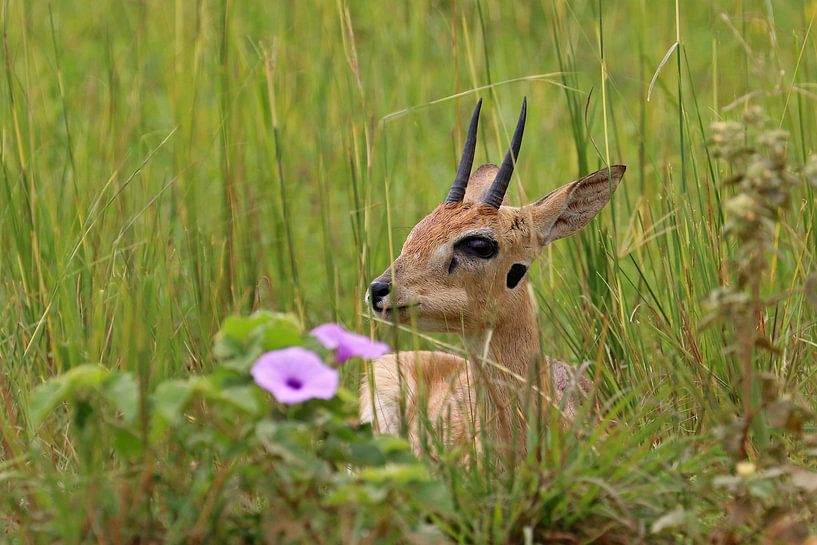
[773, 494]
[213, 459]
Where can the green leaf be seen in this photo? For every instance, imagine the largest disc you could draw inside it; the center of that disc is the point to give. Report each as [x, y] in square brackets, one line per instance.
[126, 443]
[276, 330]
[241, 397]
[366, 454]
[395, 473]
[380, 449]
[122, 391]
[281, 331]
[354, 494]
[389, 444]
[43, 400]
[433, 494]
[236, 355]
[171, 397]
[292, 442]
[47, 396]
[243, 338]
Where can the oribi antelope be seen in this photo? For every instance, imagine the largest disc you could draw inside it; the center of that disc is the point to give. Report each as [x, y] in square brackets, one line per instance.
[463, 269]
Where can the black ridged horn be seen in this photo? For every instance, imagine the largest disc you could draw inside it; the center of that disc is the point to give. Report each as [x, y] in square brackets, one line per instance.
[500, 184]
[457, 191]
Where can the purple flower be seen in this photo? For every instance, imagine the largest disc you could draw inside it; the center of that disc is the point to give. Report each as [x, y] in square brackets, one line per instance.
[294, 375]
[348, 344]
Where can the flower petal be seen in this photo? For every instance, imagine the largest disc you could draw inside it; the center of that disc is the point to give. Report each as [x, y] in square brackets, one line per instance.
[294, 375]
[323, 385]
[348, 344]
[328, 335]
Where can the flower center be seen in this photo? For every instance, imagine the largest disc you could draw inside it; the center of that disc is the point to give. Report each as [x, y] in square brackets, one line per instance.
[294, 383]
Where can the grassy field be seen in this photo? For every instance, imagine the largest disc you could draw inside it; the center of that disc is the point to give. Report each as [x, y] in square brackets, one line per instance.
[168, 164]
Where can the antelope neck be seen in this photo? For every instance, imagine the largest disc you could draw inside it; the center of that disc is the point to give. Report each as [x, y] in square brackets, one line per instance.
[512, 346]
[513, 343]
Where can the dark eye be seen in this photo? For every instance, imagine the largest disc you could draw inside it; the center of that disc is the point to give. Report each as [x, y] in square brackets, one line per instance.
[482, 247]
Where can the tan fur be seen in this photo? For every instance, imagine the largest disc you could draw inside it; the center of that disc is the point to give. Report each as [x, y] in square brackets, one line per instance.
[479, 182]
[437, 386]
[497, 323]
[435, 380]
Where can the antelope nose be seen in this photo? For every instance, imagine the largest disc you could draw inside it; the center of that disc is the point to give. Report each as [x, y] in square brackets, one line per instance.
[378, 292]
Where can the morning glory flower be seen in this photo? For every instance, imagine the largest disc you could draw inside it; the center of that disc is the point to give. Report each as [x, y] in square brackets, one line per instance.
[347, 344]
[294, 375]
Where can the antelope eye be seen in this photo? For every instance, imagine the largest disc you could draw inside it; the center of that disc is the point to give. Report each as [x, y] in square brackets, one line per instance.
[478, 246]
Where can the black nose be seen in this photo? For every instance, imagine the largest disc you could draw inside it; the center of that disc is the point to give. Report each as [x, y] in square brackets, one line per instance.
[379, 291]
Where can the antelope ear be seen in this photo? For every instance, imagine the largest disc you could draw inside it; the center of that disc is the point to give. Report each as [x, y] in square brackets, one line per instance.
[480, 182]
[569, 208]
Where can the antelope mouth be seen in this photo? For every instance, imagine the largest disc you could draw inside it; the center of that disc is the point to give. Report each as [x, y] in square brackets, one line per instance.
[399, 309]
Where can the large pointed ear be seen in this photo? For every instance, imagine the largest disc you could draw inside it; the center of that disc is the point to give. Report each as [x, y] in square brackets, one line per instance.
[569, 208]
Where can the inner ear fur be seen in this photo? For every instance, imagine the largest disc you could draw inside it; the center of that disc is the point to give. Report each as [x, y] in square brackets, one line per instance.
[569, 208]
[480, 182]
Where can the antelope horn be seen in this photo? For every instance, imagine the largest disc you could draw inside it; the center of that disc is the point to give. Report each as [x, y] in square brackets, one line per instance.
[500, 184]
[457, 191]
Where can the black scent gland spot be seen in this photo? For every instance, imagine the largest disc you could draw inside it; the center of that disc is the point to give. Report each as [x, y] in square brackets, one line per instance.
[453, 265]
[294, 383]
[515, 275]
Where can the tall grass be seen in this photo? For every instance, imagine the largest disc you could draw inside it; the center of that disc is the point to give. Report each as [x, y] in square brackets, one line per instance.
[165, 164]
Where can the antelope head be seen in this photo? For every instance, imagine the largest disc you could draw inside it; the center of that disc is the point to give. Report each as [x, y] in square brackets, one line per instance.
[464, 266]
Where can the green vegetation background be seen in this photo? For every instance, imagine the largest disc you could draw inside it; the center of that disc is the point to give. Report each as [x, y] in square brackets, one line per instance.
[166, 164]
